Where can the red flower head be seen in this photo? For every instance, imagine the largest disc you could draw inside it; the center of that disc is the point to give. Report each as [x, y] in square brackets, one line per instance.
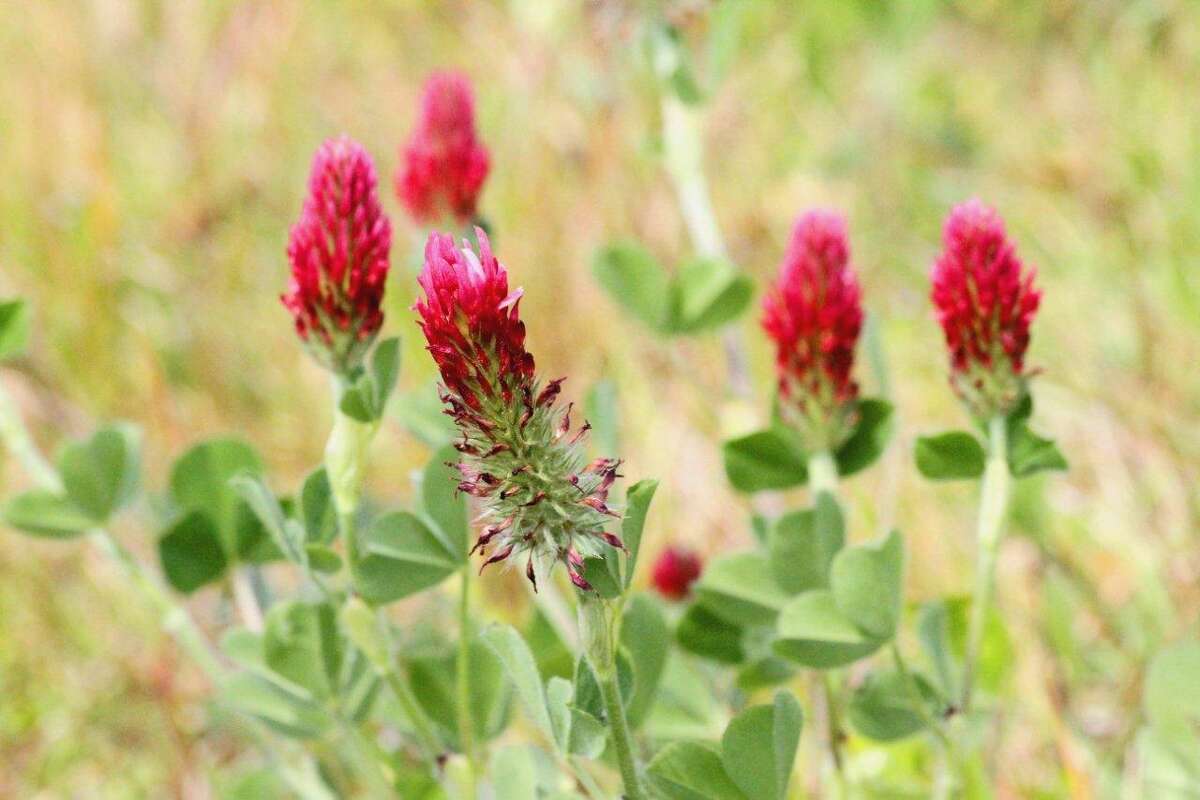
[339, 256]
[814, 315]
[519, 454]
[472, 324]
[985, 301]
[675, 570]
[444, 164]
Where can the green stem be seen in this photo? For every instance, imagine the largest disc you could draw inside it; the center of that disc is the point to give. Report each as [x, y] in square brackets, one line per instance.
[684, 148]
[993, 502]
[822, 474]
[18, 442]
[595, 633]
[823, 477]
[466, 723]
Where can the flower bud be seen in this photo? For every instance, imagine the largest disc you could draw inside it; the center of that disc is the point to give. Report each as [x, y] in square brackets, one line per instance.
[444, 164]
[338, 252]
[674, 572]
[541, 502]
[813, 313]
[985, 301]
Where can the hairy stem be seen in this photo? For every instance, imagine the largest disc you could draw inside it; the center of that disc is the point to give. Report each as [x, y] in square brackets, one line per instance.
[684, 163]
[823, 477]
[992, 504]
[595, 633]
[466, 723]
[822, 474]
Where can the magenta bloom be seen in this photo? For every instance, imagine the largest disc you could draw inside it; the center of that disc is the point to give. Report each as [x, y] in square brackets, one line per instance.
[338, 252]
[985, 301]
[675, 570]
[471, 321]
[444, 163]
[520, 455]
[814, 315]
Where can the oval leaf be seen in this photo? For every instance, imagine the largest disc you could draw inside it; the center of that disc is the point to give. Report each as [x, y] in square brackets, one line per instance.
[191, 552]
[301, 642]
[740, 589]
[814, 632]
[635, 279]
[708, 294]
[759, 747]
[885, 708]
[869, 439]
[399, 555]
[100, 474]
[867, 585]
[764, 460]
[45, 514]
[14, 329]
[803, 545]
[692, 771]
[954, 455]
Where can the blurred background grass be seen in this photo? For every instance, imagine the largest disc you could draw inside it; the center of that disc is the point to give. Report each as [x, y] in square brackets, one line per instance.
[154, 154]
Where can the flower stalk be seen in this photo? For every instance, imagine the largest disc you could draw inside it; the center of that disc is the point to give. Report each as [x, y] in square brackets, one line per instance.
[822, 474]
[466, 721]
[596, 636]
[823, 477]
[992, 506]
[684, 152]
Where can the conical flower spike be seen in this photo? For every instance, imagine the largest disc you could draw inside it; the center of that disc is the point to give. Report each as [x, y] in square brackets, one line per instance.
[338, 252]
[813, 313]
[985, 300]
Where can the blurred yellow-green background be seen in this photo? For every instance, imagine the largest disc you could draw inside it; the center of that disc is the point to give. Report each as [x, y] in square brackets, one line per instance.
[153, 155]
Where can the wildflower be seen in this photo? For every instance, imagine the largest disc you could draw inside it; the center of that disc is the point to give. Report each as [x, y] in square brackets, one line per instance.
[674, 572]
[814, 315]
[338, 252]
[541, 501]
[985, 301]
[444, 164]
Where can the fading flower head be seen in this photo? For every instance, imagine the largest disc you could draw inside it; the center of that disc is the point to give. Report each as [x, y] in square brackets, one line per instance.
[813, 313]
[674, 572]
[985, 300]
[520, 454]
[444, 164]
[338, 252]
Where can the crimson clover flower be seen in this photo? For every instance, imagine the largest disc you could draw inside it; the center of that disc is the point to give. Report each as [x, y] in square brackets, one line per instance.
[674, 572]
[813, 313]
[520, 454]
[985, 300]
[444, 164]
[338, 252]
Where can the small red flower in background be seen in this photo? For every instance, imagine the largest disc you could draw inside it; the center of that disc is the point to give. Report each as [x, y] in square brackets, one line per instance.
[520, 456]
[675, 570]
[985, 301]
[338, 252]
[444, 164]
[813, 312]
